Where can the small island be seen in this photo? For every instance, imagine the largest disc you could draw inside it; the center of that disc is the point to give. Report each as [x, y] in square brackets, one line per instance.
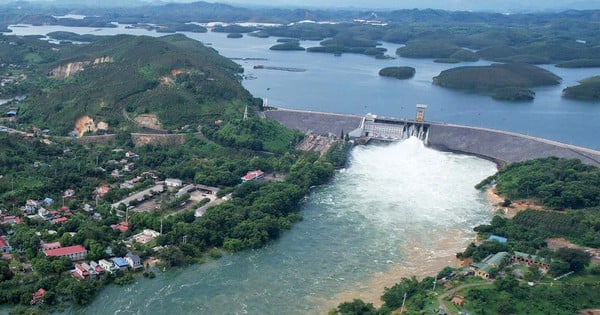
[588, 90]
[287, 45]
[401, 73]
[235, 35]
[502, 81]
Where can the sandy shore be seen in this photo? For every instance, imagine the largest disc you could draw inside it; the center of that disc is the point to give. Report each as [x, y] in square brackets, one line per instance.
[422, 262]
[515, 207]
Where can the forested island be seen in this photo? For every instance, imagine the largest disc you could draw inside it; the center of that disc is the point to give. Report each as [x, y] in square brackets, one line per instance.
[588, 90]
[538, 261]
[503, 81]
[398, 72]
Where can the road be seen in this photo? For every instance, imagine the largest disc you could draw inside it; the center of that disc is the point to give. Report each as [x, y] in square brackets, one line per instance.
[452, 291]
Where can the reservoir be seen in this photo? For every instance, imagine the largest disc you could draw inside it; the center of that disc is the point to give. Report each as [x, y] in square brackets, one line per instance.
[351, 84]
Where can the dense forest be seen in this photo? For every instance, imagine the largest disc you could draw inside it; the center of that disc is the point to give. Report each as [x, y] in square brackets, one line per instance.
[553, 182]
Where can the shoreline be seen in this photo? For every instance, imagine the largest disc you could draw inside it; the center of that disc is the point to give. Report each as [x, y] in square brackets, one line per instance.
[515, 207]
[421, 262]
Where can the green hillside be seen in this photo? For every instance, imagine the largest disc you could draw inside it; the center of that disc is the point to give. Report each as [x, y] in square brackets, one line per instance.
[174, 77]
[587, 89]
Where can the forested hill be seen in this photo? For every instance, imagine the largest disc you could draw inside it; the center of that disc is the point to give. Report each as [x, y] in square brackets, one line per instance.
[118, 78]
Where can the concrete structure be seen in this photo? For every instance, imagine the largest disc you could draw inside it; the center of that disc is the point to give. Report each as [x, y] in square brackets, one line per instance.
[529, 260]
[76, 252]
[173, 182]
[483, 268]
[134, 261]
[495, 145]
[496, 238]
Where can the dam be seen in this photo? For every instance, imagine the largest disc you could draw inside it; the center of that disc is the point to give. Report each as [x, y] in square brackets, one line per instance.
[498, 146]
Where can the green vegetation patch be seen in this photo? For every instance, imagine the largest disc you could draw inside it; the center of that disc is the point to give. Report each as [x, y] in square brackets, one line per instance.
[287, 45]
[556, 183]
[513, 94]
[580, 63]
[398, 72]
[496, 76]
[588, 89]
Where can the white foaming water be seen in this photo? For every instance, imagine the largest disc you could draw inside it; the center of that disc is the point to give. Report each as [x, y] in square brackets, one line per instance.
[404, 185]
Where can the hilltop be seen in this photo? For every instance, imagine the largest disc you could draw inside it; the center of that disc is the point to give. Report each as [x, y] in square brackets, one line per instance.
[106, 84]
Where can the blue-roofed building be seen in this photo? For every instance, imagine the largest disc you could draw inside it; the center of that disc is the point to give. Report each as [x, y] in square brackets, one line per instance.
[497, 238]
[48, 201]
[120, 262]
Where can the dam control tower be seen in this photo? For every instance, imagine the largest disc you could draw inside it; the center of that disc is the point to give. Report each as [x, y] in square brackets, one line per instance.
[420, 113]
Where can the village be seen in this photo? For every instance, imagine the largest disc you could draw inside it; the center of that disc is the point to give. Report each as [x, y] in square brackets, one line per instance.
[146, 192]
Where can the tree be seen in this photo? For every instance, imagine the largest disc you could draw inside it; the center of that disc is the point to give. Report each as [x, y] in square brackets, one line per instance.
[576, 258]
[356, 307]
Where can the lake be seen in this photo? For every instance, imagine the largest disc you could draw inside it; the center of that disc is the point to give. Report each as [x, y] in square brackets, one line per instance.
[351, 84]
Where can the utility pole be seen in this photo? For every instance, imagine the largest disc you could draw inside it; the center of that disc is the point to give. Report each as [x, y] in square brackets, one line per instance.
[246, 113]
[403, 302]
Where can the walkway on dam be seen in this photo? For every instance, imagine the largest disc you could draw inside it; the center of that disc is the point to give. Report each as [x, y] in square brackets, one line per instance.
[316, 122]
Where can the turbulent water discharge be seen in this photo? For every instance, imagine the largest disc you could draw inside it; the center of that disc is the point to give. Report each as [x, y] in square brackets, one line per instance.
[397, 210]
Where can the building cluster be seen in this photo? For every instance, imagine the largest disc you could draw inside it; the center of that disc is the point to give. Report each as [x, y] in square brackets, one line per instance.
[90, 269]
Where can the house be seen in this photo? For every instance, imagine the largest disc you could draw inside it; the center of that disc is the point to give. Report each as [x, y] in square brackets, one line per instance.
[49, 246]
[173, 182]
[37, 296]
[130, 154]
[60, 220]
[483, 268]
[134, 261]
[5, 248]
[11, 113]
[107, 265]
[102, 190]
[252, 175]
[497, 238]
[530, 260]
[76, 252]
[11, 219]
[120, 263]
[458, 300]
[69, 193]
[96, 216]
[31, 206]
[91, 271]
[146, 236]
[96, 266]
[48, 201]
[80, 272]
[122, 226]
[88, 208]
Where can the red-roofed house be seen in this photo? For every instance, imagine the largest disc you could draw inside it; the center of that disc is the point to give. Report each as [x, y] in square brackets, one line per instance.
[102, 190]
[76, 252]
[11, 219]
[48, 246]
[252, 175]
[60, 220]
[123, 226]
[4, 246]
[37, 296]
[81, 271]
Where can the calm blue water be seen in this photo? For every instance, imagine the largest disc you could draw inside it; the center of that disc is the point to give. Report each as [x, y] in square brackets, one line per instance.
[350, 84]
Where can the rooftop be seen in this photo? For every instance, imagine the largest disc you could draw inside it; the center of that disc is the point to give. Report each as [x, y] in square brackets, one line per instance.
[65, 250]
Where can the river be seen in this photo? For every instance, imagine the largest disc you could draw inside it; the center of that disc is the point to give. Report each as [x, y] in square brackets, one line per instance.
[397, 210]
[394, 212]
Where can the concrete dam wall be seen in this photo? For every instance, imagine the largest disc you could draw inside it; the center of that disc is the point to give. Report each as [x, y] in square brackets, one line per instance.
[499, 146]
[503, 147]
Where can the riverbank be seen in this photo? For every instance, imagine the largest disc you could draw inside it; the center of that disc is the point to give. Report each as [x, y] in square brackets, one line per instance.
[515, 207]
